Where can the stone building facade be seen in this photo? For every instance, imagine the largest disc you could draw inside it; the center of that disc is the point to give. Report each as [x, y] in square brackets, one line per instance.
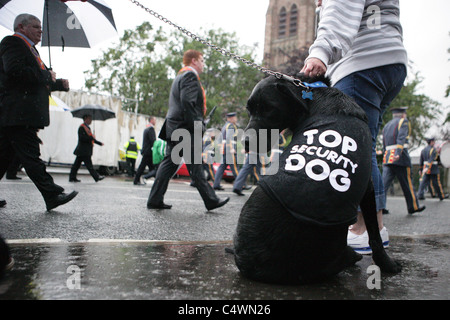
[290, 30]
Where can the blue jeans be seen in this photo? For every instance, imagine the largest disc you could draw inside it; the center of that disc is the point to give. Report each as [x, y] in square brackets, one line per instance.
[373, 90]
[246, 170]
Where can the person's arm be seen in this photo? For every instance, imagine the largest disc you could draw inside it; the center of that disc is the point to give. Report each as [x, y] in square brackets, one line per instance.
[60, 85]
[339, 23]
[189, 90]
[151, 137]
[402, 138]
[15, 59]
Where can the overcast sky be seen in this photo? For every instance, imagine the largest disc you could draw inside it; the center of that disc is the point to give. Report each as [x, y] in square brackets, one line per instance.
[426, 34]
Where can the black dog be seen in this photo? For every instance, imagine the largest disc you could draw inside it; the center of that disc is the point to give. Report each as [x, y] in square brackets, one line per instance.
[293, 228]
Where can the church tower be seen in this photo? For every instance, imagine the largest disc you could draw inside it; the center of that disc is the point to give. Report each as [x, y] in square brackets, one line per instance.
[290, 31]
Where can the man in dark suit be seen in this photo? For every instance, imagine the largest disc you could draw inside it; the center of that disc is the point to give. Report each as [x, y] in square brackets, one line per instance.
[187, 108]
[83, 151]
[147, 154]
[25, 86]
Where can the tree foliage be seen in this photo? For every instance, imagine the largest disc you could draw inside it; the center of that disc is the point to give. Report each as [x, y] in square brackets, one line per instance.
[422, 113]
[143, 65]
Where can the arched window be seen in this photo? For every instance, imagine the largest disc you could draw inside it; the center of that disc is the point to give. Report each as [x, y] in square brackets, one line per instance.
[282, 23]
[293, 20]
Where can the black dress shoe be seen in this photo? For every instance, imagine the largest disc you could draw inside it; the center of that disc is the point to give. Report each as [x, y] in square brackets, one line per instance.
[2, 203]
[444, 197]
[100, 178]
[385, 211]
[238, 192]
[60, 199]
[219, 188]
[74, 180]
[219, 204]
[13, 178]
[159, 206]
[418, 210]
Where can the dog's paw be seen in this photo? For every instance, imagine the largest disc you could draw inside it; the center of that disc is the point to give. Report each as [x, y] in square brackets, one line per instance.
[386, 263]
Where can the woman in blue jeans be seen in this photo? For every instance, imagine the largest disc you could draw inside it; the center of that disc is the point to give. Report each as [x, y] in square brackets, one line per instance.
[359, 46]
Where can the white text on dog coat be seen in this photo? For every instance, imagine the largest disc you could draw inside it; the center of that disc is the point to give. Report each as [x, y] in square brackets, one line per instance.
[318, 169]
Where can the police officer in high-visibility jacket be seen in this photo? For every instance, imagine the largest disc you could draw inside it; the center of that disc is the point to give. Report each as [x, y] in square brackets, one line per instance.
[396, 159]
[131, 151]
[430, 171]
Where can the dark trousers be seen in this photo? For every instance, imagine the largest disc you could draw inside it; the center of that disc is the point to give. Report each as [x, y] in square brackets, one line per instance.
[77, 164]
[131, 163]
[246, 169]
[403, 175]
[433, 181]
[24, 142]
[147, 161]
[14, 166]
[168, 168]
[227, 160]
[209, 168]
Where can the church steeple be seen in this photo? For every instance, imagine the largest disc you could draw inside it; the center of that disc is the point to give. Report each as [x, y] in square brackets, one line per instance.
[289, 33]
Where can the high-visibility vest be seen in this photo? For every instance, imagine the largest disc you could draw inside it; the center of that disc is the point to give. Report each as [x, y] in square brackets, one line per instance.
[132, 148]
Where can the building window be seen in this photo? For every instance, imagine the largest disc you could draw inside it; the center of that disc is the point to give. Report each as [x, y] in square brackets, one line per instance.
[293, 21]
[282, 23]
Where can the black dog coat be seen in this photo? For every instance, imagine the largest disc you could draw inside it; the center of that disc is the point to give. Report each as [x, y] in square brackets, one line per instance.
[324, 172]
[293, 228]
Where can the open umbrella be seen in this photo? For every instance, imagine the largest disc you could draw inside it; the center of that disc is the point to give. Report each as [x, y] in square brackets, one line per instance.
[66, 23]
[97, 112]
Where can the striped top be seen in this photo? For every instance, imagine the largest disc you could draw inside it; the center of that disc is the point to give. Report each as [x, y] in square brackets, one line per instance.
[355, 35]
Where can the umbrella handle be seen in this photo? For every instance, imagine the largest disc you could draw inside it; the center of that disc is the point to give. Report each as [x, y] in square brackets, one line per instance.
[48, 35]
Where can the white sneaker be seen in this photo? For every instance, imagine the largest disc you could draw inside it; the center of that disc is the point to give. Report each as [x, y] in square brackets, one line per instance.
[384, 237]
[360, 243]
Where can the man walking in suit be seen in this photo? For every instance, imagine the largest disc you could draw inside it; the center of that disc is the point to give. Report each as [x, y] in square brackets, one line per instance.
[83, 151]
[187, 108]
[147, 153]
[396, 160]
[25, 86]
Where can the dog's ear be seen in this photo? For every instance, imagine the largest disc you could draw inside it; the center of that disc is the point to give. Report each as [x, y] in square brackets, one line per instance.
[293, 94]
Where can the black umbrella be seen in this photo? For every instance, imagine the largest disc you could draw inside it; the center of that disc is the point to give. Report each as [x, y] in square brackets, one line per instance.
[66, 23]
[95, 111]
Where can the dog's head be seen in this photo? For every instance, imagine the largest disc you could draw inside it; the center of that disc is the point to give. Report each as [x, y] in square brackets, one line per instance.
[278, 104]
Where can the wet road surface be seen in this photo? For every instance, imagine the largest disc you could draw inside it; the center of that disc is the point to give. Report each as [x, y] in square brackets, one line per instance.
[106, 244]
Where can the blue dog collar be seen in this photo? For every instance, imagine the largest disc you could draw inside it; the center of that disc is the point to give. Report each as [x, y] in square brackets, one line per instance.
[318, 84]
[307, 94]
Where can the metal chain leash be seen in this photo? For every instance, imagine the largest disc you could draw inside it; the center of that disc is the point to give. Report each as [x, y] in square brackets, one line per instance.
[220, 50]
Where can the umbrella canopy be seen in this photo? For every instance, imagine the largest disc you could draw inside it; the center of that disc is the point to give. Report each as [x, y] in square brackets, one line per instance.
[97, 112]
[66, 23]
